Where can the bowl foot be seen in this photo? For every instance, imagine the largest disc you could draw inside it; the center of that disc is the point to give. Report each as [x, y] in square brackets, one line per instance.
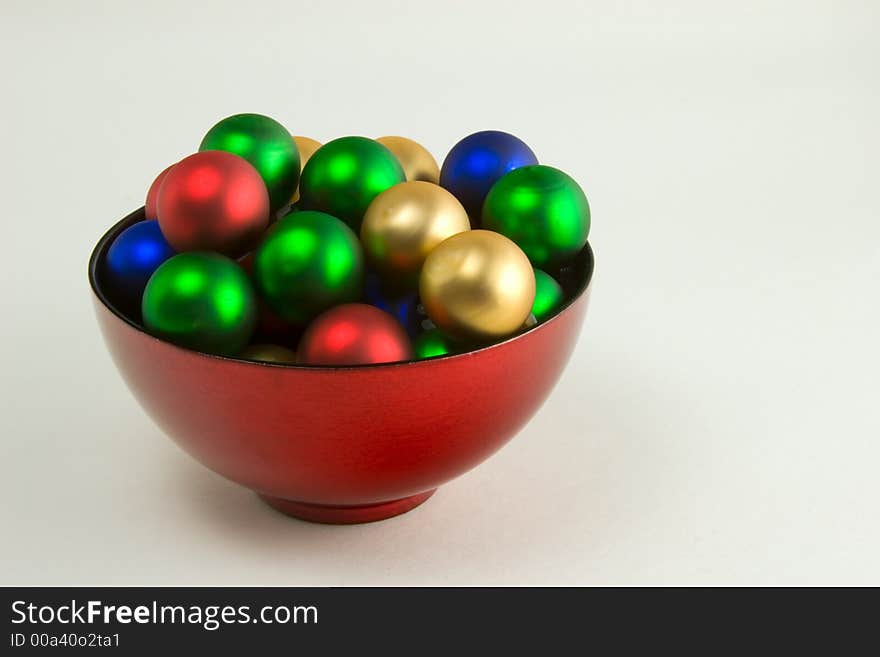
[346, 515]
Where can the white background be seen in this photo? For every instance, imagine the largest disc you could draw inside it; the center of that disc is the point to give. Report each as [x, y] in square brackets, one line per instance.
[718, 422]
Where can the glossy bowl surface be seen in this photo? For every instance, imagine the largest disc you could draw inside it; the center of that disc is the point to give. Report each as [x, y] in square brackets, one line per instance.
[344, 444]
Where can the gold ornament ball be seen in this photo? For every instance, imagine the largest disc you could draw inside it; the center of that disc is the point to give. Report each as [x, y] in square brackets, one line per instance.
[404, 223]
[268, 353]
[477, 285]
[416, 160]
[307, 147]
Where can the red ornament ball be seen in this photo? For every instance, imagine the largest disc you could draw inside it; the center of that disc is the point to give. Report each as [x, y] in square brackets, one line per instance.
[213, 201]
[150, 210]
[354, 334]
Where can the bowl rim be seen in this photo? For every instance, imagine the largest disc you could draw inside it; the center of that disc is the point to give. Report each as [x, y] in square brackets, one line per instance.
[137, 215]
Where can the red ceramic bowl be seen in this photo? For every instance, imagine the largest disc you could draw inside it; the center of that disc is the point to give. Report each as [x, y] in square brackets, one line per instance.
[341, 444]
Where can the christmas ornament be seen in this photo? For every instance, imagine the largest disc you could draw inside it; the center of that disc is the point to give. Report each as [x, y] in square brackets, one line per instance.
[404, 223]
[132, 258]
[268, 353]
[306, 147]
[531, 321]
[213, 201]
[353, 334]
[201, 300]
[403, 306]
[543, 210]
[477, 285]
[307, 263]
[267, 145]
[417, 162]
[432, 343]
[344, 176]
[269, 324]
[476, 162]
[548, 295]
[150, 210]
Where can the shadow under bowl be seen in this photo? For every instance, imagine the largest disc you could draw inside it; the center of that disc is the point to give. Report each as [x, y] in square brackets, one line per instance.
[340, 444]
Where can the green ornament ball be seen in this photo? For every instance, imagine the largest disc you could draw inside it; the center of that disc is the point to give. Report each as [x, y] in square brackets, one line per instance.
[344, 176]
[267, 145]
[548, 295]
[543, 210]
[202, 301]
[308, 262]
[433, 343]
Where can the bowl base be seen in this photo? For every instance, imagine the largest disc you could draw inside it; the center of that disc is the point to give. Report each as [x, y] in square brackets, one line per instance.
[346, 515]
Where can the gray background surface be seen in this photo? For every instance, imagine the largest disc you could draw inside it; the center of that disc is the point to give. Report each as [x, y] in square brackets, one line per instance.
[718, 422]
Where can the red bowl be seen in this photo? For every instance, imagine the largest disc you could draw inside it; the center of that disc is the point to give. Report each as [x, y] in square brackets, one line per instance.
[341, 444]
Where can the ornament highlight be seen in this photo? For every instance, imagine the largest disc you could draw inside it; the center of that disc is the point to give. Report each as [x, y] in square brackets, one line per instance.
[202, 301]
[344, 176]
[477, 285]
[416, 160]
[354, 334]
[306, 147]
[213, 201]
[308, 262]
[267, 145]
[543, 210]
[477, 162]
[404, 223]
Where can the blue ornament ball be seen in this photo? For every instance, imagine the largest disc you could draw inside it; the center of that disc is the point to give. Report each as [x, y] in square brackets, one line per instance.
[404, 307]
[476, 162]
[132, 258]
